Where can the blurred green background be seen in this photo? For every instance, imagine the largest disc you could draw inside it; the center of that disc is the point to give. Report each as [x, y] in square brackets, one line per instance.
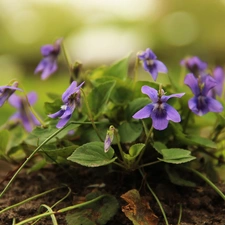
[99, 32]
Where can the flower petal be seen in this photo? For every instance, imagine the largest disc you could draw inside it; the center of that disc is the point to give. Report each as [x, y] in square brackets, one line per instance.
[209, 83]
[47, 50]
[159, 123]
[214, 105]
[73, 88]
[192, 83]
[49, 69]
[172, 114]
[151, 92]
[63, 122]
[145, 112]
[199, 107]
[57, 114]
[165, 98]
[15, 101]
[161, 67]
[218, 74]
[32, 97]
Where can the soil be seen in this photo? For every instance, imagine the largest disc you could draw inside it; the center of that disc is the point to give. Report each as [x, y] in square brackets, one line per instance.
[200, 205]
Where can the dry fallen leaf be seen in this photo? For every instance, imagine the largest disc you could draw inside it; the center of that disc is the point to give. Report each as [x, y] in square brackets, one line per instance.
[138, 209]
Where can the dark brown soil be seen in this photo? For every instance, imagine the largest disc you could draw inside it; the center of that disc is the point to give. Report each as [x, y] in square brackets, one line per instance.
[200, 205]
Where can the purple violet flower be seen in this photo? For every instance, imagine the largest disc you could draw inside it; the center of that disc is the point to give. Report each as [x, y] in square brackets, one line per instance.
[158, 110]
[48, 64]
[151, 64]
[194, 65]
[24, 115]
[218, 75]
[201, 103]
[7, 91]
[71, 99]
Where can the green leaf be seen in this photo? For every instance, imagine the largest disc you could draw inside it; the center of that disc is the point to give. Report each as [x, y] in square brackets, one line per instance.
[59, 152]
[39, 134]
[119, 69]
[92, 155]
[176, 155]
[205, 142]
[99, 96]
[97, 213]
[158, 146]
[4, 139]
[129, 131]
[37, 166]
[177, 178]
[134, 151]
[121, 93]
[52, 107]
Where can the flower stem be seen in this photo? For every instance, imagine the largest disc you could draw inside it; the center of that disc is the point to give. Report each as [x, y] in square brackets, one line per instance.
[146, 142]
[68, 61]
[156, 198]
[90, 115]
[29, 199]
[119, 145]
[61, 210]
[209, 182]
[35, 151]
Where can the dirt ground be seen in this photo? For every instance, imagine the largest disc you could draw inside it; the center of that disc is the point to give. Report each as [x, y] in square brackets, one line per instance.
[200, 205]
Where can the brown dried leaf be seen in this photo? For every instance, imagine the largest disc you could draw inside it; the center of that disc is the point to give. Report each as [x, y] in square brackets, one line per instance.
[138, 209]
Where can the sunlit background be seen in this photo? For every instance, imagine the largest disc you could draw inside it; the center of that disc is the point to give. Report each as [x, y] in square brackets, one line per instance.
[99, 32]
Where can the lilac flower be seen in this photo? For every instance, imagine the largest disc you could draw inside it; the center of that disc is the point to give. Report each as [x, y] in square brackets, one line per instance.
[71, 99]
[7, 91]
[218, 75]
[24, 115]
[194, 65]
[48, 64]
[201, 103]
[151, 64]
[158, 110]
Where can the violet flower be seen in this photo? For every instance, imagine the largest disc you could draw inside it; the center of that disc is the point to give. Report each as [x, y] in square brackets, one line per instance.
[194, 65]
[151, 64]
[160, 111]
[24, 115]
[218, 75]
[48, 64]
[71, 99]
[7, 91]
[201, 103]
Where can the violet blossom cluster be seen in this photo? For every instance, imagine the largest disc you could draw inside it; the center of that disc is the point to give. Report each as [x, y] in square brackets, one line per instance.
[204, 86]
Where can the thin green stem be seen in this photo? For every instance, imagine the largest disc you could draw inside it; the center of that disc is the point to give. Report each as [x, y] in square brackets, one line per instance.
[180, 215]
[29, 199]
[209, 182]
[68, 193]
[90, 115]
[119, 145]
[145, 127]
[68, 61]
[149, 164]
[146, 142]
[120, 165]
[35, 151]
[186, 120]
[49, 209]
[61, 210]
[156, 198]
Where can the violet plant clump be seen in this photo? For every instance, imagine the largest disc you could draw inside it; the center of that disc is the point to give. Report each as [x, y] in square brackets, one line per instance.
[116, 123]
